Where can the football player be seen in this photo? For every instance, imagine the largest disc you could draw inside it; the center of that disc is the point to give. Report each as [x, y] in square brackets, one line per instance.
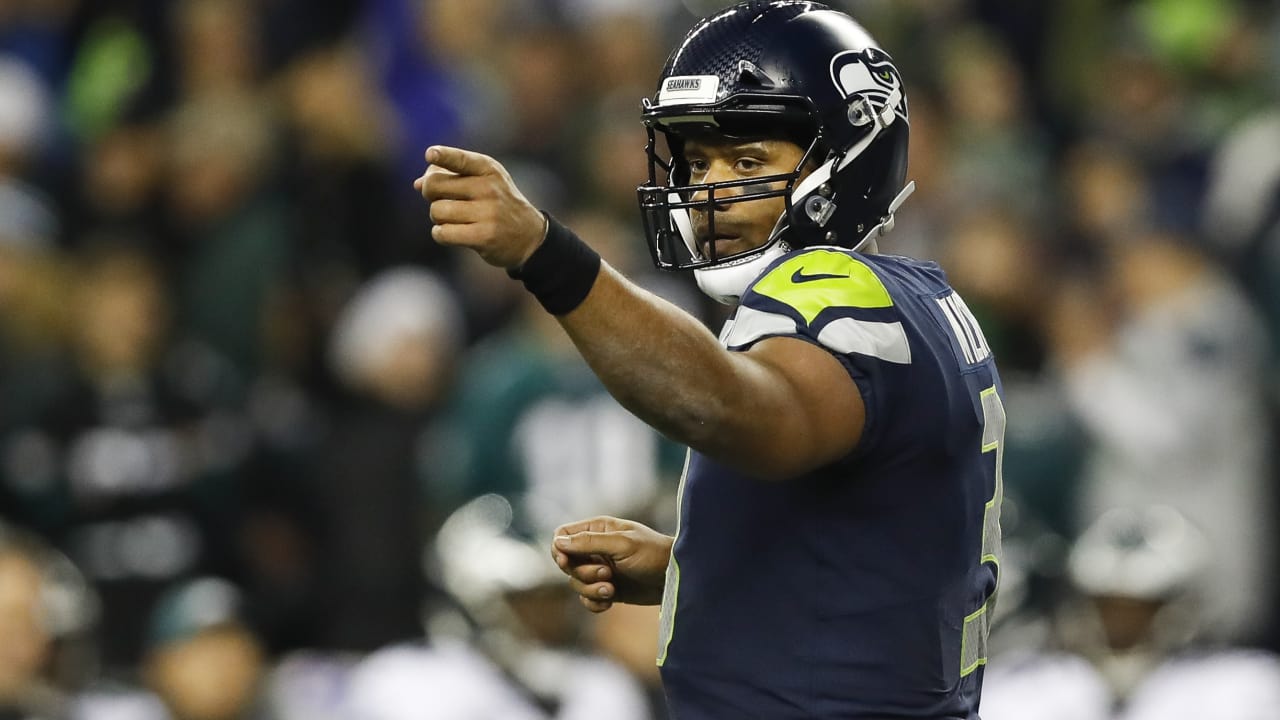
[838, 540]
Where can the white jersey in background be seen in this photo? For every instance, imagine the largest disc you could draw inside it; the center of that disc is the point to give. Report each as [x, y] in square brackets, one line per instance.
[1226, 685]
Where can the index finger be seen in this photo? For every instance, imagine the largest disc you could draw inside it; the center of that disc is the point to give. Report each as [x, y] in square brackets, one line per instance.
[611, 545]
[600, 523]
[463, 162]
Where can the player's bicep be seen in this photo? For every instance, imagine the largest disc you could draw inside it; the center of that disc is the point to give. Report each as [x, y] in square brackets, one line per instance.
[807, 411]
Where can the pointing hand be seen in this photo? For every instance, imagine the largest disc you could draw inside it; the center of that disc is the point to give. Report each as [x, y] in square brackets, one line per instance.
[475, 204]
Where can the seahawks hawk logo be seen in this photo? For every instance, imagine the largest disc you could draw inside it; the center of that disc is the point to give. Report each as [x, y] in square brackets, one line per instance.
[871, 74]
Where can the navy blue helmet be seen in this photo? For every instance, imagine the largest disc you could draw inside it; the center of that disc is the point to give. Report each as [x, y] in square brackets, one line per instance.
[783, 69]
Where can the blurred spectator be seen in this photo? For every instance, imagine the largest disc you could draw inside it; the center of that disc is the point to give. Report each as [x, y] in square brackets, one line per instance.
[232, 246]
[1107, 196]
[347, 213]
[341, 523]
[543, 78]
[1166, 386]
[48, 614]
[218, 47]
[397, 338]
[998, 156]
[521, 617]
[202, 661]
[127, 463]
[437, 61]
[395, 348]
[341, 188]
[1131, 645]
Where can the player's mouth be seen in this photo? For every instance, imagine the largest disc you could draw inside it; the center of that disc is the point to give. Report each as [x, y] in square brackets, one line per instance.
[727, 241]
[724, 244]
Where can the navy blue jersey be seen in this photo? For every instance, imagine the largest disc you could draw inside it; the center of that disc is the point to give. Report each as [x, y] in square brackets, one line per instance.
[863, 589]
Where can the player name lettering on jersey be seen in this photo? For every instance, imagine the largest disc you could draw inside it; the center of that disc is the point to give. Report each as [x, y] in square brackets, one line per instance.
[965, 326]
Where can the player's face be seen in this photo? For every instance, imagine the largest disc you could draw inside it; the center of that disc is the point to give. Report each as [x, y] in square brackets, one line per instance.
[740, 226]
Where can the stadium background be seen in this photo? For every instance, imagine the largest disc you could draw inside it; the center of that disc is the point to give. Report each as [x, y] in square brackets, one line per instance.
[230, 353]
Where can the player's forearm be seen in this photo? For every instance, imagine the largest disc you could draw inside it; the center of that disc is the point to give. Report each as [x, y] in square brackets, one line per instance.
[658, 361]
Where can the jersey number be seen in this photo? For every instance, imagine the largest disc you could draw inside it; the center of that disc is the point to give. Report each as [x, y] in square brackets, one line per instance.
[973, 645]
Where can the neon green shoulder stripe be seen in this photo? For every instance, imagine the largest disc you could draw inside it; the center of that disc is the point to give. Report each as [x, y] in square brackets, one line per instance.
[818, 279]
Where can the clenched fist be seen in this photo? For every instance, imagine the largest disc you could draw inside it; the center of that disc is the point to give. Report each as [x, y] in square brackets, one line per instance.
[475, 204]
[611, 560]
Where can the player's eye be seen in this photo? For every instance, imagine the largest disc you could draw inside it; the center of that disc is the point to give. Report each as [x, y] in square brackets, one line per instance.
[698, 166]
[748, 166]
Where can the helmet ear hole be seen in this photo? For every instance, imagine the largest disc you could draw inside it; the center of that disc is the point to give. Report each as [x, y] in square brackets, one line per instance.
[859, 113]
[819, 209]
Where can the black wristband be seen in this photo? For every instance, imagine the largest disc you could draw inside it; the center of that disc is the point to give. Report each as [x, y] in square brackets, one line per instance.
[561, 271]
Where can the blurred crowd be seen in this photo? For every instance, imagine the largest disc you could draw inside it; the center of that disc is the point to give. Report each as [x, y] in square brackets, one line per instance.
[267, 452]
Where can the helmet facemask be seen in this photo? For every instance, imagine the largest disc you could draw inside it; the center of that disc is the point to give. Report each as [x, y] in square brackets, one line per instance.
[814, 191]
[680, 217]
